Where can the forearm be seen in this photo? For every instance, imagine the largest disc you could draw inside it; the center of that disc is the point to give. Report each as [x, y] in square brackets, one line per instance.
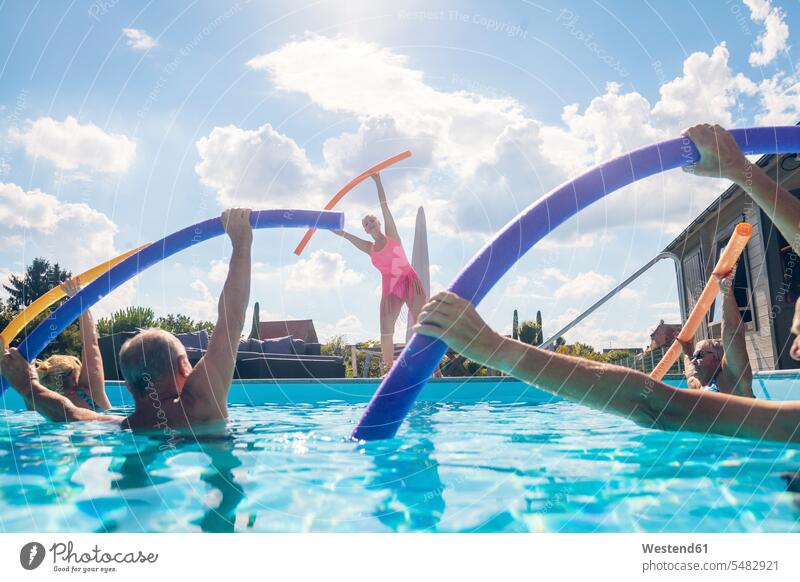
[779, 205]
[601, 386]
[732, 325]
[92, 375]
[46, 402]
[235, 294]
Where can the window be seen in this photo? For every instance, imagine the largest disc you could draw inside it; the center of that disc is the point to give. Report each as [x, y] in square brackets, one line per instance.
[741, 290]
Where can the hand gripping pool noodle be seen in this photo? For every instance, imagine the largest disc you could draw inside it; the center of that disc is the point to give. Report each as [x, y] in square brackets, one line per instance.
[416, 363]
[29, 313]
[154, 253]
[725, 265]
[349, 186]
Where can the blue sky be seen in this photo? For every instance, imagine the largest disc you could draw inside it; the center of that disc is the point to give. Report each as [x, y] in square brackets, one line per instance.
[124, 121]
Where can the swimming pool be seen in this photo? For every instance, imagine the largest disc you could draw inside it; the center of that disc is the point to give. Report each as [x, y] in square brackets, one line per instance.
[482, 455]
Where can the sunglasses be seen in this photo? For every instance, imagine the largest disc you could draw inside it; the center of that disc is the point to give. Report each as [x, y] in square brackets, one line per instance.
[699, 355]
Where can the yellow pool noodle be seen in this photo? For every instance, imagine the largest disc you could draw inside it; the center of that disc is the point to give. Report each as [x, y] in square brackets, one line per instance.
[34, 309]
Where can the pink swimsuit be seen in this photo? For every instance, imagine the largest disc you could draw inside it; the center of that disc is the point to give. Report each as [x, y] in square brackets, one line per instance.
[399, 277]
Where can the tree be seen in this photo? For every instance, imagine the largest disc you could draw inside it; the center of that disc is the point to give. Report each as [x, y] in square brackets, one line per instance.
[134, 318]
[128, 319]
[540, 339]
[515, 326]
[530, 333]
[581, 351]
[617, 355]
[254, 331]
[40, 276]
[182, 324]
[335, 346]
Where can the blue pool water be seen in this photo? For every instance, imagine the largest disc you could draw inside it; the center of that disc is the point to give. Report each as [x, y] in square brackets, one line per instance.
[485, 456]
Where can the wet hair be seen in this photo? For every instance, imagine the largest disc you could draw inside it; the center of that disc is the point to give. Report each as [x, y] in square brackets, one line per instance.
[149, 356]
[54, 371]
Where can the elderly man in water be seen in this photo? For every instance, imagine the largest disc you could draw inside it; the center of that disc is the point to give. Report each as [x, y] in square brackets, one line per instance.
[630, 393]
[722, 365]
[168, 394]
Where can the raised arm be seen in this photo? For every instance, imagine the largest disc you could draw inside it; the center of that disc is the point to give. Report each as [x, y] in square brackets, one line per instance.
[735, 361]
[53, 406]
[361, 244]
[92, 379]
[720, 157]
[687, 348]
[608, 388]
[388, 219]
[210, 380]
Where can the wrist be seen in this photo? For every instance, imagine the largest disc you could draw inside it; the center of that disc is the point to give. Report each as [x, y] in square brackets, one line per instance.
[487, 347]
[741, 173]
[241, 243]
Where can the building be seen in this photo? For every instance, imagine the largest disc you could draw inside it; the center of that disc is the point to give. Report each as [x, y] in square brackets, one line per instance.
[767, 281]
[663, 335]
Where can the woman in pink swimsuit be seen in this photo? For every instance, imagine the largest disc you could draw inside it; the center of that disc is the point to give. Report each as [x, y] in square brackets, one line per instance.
[401, 284]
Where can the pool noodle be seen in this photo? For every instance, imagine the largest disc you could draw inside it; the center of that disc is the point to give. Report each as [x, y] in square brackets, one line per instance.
[349, 186]
[56, 293]
[62, 317]
[399, 389]
[727, 261]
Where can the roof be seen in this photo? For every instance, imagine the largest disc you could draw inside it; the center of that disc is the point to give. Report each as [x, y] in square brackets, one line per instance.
[298, 328]
[762, 162]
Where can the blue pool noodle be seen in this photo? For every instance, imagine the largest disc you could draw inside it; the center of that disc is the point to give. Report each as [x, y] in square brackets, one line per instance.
[71, 310]
[410, 372]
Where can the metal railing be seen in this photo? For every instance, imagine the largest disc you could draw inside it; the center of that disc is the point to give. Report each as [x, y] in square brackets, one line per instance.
[646, 361]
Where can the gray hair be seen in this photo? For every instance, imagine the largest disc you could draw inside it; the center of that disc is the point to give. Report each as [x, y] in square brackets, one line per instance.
[149, 356]
[713, 345]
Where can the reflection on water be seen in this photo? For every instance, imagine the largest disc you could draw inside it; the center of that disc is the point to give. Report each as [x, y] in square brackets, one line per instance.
[477, 467]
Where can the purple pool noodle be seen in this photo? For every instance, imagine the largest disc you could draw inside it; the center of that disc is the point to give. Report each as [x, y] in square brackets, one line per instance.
[51, 327]
[398, 391]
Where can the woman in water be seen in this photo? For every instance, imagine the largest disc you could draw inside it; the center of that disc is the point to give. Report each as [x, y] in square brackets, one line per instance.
[401, 285]
[81, 381]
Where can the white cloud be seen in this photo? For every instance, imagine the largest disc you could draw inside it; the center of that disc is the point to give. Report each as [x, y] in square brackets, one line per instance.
[776, 32]
[218, 271]
[589, 286]
[486, 152]
[349, 326]
[630, 294]
[255, 168]
[122, 297]
[596, 332]
[202, 304]
[780, 100]
[321, 271]
[138, 39]
[362, 78]
[75, 235]
[71, 145]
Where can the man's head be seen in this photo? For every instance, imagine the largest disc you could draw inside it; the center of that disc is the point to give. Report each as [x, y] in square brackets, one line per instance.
[706, 360]
[151, 358]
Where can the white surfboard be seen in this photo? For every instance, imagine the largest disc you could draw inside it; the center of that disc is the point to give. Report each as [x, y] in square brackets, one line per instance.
[420, 259]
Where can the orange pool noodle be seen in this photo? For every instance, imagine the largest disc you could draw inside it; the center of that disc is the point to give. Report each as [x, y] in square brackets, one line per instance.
[725, 265]
[349, 186]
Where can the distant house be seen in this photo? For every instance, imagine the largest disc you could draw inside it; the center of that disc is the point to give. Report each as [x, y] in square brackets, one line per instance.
[663, 335]
[767, 282]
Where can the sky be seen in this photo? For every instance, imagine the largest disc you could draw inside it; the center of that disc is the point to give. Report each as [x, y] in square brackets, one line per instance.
[122, 122]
